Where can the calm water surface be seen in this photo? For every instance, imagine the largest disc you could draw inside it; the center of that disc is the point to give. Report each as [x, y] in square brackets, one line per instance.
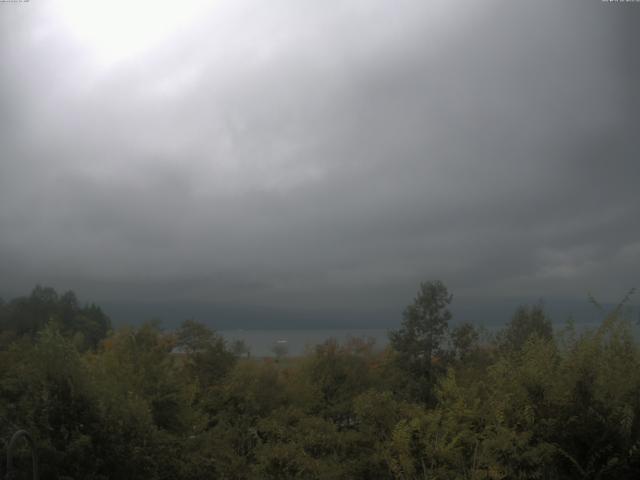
[297, 342]
[261, 342]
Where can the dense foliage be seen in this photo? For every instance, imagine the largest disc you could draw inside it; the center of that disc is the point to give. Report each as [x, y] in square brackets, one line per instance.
[439, 403]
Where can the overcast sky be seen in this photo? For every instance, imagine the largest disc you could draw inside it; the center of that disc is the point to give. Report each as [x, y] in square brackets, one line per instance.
[320, 154]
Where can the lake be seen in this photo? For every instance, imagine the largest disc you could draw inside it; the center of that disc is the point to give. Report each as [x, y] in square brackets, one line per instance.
[261, 342]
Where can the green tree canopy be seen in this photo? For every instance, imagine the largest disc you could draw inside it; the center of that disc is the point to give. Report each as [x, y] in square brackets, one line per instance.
[420, 336]
[525, 323]
[25, 316]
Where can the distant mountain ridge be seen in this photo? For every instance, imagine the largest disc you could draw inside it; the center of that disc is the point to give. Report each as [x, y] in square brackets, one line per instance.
[232, 316]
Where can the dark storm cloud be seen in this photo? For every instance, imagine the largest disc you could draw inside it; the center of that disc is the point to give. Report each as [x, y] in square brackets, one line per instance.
[315, 155]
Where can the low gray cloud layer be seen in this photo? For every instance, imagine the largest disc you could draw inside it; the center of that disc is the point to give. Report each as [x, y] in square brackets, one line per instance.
[314, 154]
